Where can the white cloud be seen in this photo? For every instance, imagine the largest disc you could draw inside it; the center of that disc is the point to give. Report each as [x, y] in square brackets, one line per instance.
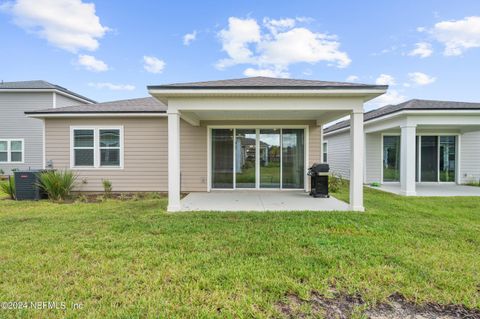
[91, 63]
[189, 37]
[235, 41]
[352, 78]
[277, 45]
[67, 24]
[420, 78]
[385, 79]
[391, 97]
[422, 49]
[152, 64]
[458, 36]
[265, 72]
[113, 87]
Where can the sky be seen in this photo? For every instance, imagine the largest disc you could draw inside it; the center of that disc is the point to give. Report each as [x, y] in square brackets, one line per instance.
[111, 50]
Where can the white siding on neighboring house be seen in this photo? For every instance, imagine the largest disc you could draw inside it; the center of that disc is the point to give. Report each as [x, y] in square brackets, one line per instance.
[470, 157]
[339, 153]
[373, 158]
[62, 101]
[14, 124]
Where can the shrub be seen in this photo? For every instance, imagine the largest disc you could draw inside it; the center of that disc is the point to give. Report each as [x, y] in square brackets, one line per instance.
[9, 187]
[375, 184]
[335, 182]
[57, 184]
[2, 172]
[107, 188]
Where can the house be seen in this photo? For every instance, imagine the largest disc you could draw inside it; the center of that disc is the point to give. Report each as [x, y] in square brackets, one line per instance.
[21, 138]
[415, 143]
[198, 137]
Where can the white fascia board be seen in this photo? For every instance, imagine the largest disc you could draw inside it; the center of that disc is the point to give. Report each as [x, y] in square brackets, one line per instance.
[78, 115]
[413, 112]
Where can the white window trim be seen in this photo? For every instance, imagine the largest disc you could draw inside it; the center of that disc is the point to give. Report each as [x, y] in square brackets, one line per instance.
[96, 147]
[9, 150]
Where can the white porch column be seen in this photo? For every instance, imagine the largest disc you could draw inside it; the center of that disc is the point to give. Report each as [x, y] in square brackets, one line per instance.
[321, 143]
[173, 161]
[407, 160]
[356, 161]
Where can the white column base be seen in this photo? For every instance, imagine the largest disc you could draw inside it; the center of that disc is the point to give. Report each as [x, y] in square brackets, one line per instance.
[408, 193]
[357, 208]
[174, 208]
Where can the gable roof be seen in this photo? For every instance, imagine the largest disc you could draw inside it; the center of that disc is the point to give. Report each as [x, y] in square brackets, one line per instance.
[140, 105]
[415, 105]
[40, 85]
[261, 82]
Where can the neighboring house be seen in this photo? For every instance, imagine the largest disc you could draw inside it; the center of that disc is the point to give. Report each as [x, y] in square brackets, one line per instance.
[188, 136]
[21, 138]
[420, 141]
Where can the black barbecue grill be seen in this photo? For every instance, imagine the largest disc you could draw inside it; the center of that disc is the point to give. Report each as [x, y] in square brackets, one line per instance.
[319, 180]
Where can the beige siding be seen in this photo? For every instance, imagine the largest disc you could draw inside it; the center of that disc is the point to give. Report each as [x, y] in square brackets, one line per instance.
[145, 152]
[193, 154]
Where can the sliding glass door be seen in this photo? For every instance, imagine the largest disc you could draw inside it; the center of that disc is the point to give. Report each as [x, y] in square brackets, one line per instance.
[391, 158]
[245, 158]
[293, 164]
[252, 158]
[447, 162]
[269, 158]
[222, 158]
[436, 159]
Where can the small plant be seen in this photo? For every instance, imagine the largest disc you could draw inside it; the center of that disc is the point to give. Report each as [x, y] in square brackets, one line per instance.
[375, 184]
[107, 188]
[335, 182]
[9, 187]
[58, 184]
[82, 199]
[2, 172]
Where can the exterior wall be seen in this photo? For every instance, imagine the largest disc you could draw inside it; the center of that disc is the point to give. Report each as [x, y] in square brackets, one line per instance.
[62, 101]
[469, 157]
[338, 153]
[146, 152]
[373, 158]
[14, 124]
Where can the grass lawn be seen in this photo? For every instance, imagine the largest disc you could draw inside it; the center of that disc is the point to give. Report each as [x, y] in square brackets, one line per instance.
[129, 259]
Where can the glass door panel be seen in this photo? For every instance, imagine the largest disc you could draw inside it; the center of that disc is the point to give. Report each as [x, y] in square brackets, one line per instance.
[391, 158]
[222, 158]
[293, 158]
[429, 159]
[245, 158]
[447, 158]
[269, 149]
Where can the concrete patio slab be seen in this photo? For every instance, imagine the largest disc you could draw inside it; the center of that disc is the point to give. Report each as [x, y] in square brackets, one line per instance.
[434, 189]
[260, 201]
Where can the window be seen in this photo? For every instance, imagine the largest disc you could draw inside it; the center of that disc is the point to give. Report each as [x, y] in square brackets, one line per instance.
[11, 151]
[97, 147]
[325, 152]
[391, 158]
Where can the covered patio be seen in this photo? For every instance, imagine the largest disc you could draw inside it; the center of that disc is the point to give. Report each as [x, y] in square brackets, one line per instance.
[434, 189]
[284, 117]
[259, 201]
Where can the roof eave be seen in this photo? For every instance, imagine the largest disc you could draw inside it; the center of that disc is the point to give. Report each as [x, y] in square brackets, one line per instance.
[42, 115]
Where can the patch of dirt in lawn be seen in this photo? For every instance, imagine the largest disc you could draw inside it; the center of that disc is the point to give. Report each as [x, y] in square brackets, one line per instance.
[343, 306]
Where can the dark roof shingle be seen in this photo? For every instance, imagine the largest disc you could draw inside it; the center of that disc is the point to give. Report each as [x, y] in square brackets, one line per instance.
[261, 82]
[140, 105]
[39, 85]
[415, 104]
